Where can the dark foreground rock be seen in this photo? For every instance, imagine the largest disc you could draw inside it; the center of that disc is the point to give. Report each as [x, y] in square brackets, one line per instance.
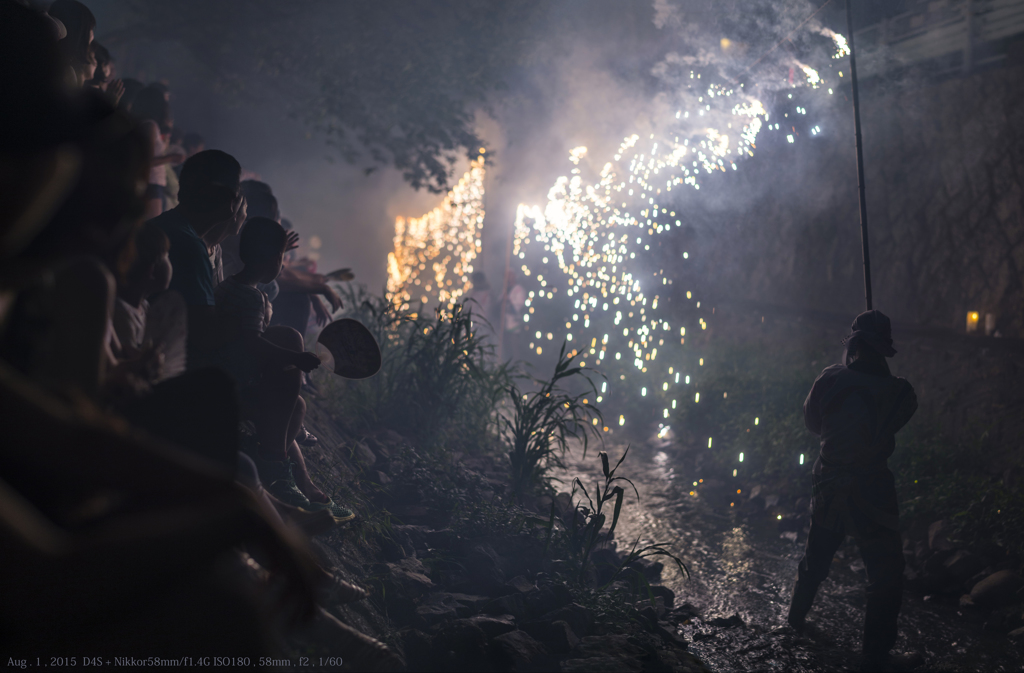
[445, 598]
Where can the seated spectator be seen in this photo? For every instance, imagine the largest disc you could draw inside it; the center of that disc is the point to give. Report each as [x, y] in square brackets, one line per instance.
[58, 331]
[267, 364]
[103, 74]
[259, 203]
[173, 170]
[220, 233]
[264, 204]
[208, 197]
[85, 70]
[134, 327]
[161, 409]
[110, 539]
[299, 299]
[80, 27]
[102, 78]
[132, 87]
[152, 109]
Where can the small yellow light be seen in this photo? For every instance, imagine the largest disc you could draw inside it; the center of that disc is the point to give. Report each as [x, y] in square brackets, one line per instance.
[780, 517]
[973, 318]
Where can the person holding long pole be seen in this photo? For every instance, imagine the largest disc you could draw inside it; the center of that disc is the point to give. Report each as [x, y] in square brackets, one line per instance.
[857, 408]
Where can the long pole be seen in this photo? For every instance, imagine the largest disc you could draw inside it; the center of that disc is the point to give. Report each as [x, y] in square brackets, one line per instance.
[860, 158]
[504, 295]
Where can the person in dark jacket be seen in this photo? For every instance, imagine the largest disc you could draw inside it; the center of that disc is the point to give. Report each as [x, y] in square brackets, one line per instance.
[857, 408]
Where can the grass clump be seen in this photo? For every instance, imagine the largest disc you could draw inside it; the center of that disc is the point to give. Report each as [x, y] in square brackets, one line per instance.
[540, 423]
[437, 384]
[586, 528]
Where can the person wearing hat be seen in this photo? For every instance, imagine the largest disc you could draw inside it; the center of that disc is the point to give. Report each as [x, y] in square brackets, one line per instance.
[857, 408]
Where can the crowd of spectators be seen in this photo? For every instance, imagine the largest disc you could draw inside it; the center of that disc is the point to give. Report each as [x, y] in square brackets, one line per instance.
[153, 490]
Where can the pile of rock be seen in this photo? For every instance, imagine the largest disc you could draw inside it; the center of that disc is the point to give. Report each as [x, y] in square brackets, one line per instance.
[495, 604]
[981, 579]
[445, 601]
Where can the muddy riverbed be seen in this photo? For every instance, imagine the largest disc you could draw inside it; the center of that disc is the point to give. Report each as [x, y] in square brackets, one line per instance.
[742, 564]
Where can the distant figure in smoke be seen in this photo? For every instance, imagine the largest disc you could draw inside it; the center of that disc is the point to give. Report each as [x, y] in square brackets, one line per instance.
[513, 303]
[857, 408]
[480, 293]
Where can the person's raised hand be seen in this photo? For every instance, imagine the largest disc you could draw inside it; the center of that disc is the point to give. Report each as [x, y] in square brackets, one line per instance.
[322, 316]
[332, 297]
[306, 361]
[115, 90]
[291, 241]
[150, 361]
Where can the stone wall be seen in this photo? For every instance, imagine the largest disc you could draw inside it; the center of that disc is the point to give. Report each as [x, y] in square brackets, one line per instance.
[946, 181]
[945, 188]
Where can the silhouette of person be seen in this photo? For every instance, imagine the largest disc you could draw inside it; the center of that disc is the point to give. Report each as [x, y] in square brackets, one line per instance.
[857, 408]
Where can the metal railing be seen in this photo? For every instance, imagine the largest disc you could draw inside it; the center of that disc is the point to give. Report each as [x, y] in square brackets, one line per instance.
[949, 32]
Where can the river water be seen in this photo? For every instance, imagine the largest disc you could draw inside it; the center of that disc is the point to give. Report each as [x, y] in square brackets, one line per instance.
[740, 563]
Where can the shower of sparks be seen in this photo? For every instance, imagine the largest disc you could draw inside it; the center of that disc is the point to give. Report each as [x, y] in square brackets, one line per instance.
[591, 232]
[842, 47]
[434, 254]
[813, 78]
[590, 229]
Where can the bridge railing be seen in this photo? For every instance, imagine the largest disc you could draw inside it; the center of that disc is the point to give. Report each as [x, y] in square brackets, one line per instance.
[949, 32]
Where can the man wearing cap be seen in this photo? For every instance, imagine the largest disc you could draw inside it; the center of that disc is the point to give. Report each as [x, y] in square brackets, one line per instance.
[856, 408]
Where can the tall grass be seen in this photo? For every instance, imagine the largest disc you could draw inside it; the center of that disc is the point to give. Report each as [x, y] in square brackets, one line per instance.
[586, 529]
[437, 383]
[540, 424]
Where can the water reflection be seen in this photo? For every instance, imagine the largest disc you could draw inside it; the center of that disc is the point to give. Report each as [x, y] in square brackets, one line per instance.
[736, 553]
[739, 565]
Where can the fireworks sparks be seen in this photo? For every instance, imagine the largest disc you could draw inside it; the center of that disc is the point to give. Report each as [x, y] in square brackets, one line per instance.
[596, 229]
[842, 46]
[592, 230]
[813, 78]
[434, 254]
[600, 222]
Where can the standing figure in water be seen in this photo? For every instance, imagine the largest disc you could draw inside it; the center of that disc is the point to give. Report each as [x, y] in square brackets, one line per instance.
[857, 408]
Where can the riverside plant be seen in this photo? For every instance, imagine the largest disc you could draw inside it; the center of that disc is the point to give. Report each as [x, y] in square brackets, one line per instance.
[586, 530]
[541, 423]
[436, 383]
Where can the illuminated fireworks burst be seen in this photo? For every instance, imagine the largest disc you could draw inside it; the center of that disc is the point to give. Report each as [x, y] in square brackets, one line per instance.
[595, 229]
[434, 254]
[842, 46]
